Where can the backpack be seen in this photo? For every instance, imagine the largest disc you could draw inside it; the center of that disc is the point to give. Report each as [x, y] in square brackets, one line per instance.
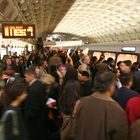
[15, 130]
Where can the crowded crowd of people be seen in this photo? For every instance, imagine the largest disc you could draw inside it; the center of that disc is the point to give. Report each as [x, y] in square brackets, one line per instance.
[55, 95]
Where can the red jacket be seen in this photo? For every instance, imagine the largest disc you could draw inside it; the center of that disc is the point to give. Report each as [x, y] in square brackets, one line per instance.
[133, 109]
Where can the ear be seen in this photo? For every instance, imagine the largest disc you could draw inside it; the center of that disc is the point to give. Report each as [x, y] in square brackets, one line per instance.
[112, 89]
[130, 83]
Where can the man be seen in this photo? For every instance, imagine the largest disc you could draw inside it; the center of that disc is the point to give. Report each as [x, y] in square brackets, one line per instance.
[54, 61]
[99, 117]
[111, 64]
[125, 66]
[125, 93]
[86, 85]
[9, 64]
[35, 107]
[42, 69]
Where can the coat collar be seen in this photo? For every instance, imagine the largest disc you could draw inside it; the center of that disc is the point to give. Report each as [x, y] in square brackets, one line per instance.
[102, 97]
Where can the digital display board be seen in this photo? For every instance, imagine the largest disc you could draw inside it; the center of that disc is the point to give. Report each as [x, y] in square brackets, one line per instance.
[18, 31]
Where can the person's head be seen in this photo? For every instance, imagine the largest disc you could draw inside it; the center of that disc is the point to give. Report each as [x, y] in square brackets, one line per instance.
[62, 69]
[30, 75]
[71, 75]
[94, 60]
[84, 76]
[17, 60]
[111, 62]
[104, 83]
[135, 66]
[69, 96]
[43, 64]
[85, 59]
[117, 73]
[47, 79]
[8, 73]
[102, 56]
[9, 61]
[125, 66]
[102, 67]
[118, 64]
[126, 80]
[16, 92]
[81, 68]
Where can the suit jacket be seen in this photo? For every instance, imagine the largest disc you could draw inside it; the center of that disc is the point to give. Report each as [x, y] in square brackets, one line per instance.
[35, 111]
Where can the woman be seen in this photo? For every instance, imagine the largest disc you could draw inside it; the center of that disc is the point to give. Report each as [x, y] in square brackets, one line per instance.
[68, 99]
[12, 119]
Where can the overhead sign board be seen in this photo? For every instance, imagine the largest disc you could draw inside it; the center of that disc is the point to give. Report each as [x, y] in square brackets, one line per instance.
[18, 31]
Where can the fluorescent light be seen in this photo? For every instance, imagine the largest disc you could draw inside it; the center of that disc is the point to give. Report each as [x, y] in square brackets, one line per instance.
[129, 49]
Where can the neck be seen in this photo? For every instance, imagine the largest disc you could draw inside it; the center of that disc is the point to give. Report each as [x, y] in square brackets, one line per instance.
[127, 86]
[109, 94]
[15, 103]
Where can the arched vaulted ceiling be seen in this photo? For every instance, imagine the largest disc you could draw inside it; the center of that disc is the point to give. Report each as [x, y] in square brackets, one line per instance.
[103, 20]
[45, 14]
[99, 20]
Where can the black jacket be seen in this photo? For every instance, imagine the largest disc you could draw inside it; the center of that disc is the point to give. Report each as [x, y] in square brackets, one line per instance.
[35, 111]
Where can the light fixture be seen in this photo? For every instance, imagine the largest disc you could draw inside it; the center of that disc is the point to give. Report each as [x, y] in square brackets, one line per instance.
[128, 49]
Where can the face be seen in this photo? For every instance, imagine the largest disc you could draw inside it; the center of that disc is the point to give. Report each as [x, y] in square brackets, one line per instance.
[45, 64]
[28, 78]
[113, 64]
[118, 73]
[8, 61]
[87, 60]
[124, 68]
[17, 60]
[62, 71]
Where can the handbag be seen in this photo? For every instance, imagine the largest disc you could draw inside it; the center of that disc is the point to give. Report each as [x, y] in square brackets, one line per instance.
[66, 128]
[15, 130]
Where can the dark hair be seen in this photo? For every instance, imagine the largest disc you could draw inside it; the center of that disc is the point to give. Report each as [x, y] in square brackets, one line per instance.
[85, 73]
[101, 67]
[69, 96]
[115, 71]
[127, 63]
[118, 63]
[13, 91]
[71, 75]
[94, 59]
[125, 78]
[31, 72]
[103, 81]
[135, 66]
[109, 60]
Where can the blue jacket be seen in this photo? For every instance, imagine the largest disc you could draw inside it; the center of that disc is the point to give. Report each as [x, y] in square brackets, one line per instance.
[123, 95]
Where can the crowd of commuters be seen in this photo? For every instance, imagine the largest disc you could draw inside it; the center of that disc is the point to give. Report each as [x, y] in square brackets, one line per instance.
[55, 95]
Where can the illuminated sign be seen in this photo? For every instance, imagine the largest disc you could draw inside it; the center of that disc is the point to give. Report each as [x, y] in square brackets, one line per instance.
[18, 31]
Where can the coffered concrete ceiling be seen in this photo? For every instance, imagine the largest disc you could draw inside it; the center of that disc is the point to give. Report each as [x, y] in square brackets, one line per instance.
[45, 14]
[103, 20]
[98, 20]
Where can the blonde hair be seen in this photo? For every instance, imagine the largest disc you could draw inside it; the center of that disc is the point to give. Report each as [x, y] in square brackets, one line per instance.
[47, 79]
